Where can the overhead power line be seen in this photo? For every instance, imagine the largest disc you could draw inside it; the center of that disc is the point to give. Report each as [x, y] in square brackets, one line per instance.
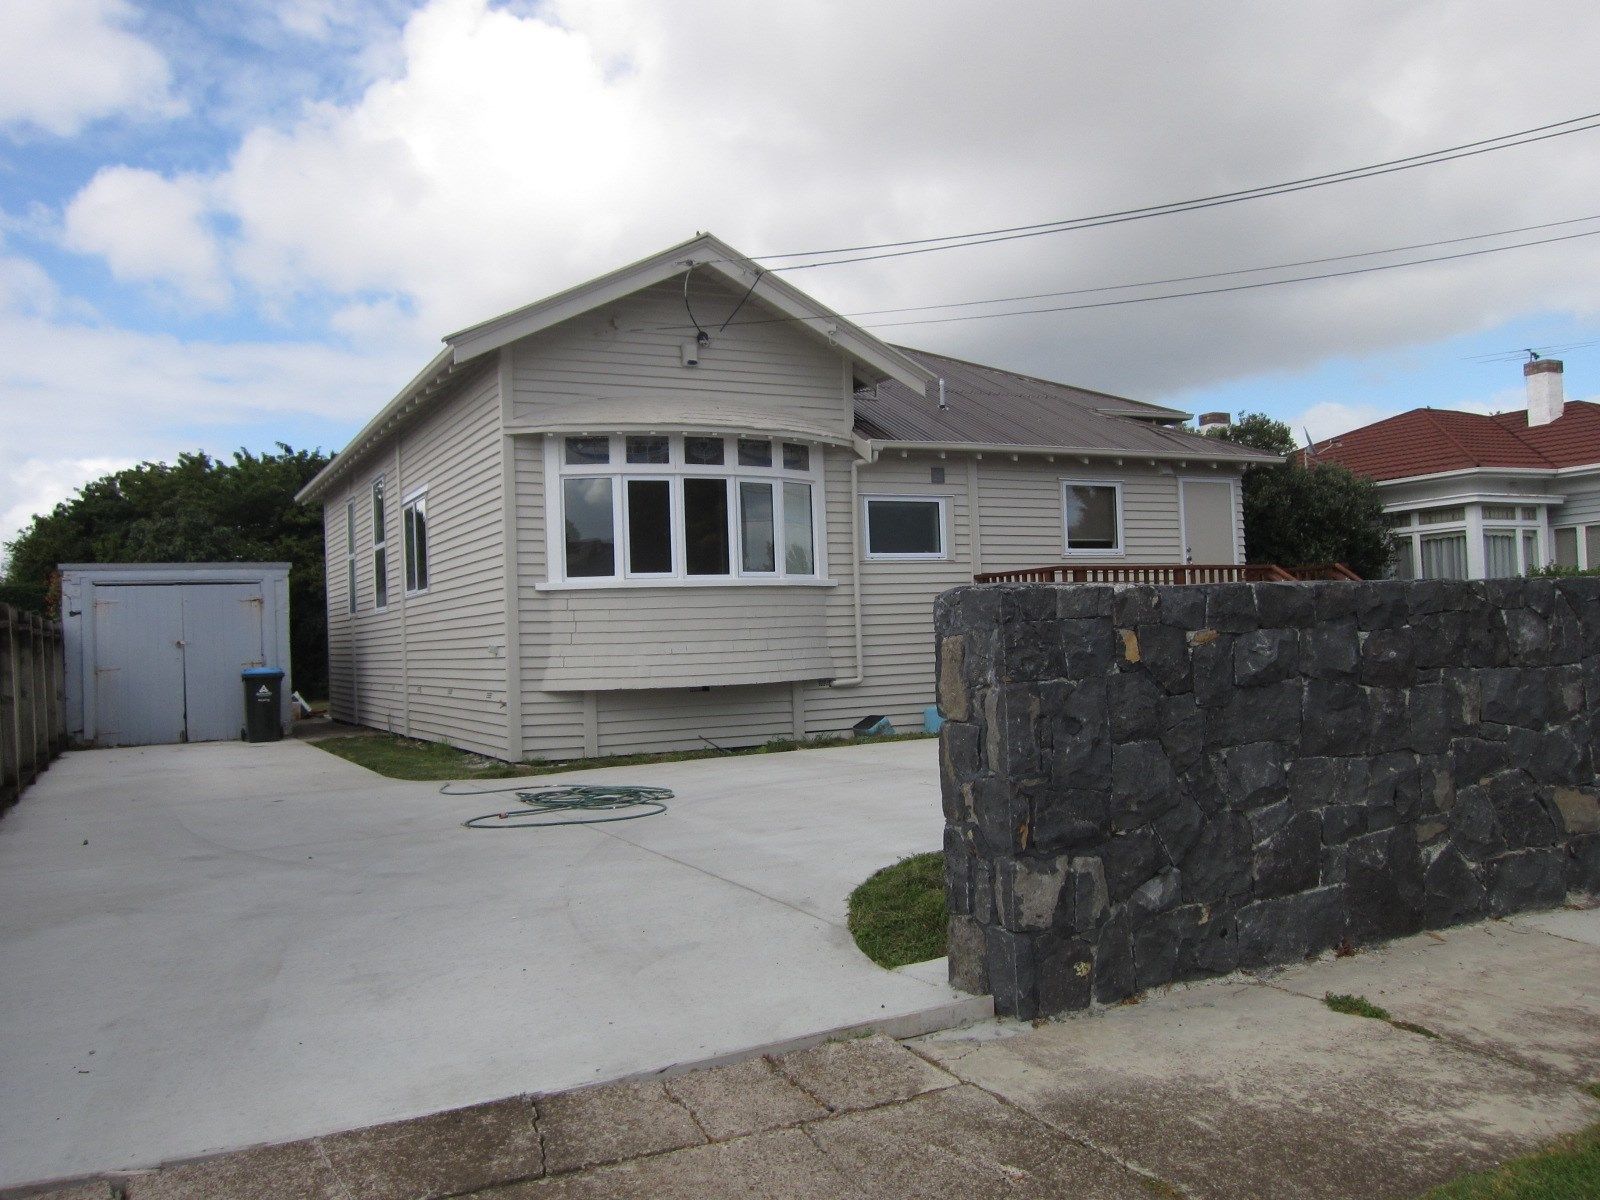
[1237, 287]
[928, 245]
[1116, 287]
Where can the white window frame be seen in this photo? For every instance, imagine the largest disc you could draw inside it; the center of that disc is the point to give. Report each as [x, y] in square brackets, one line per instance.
[350, 553]
[676, 472]
[941, 555]
[1068, 550]
[408, 502]
[380, 543]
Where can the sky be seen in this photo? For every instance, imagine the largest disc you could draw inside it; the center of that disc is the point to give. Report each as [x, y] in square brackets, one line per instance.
[226, 224]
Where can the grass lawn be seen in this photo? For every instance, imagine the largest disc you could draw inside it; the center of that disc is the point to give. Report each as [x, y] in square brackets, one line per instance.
[1567, 1170]
[898, 915]
[404, 758]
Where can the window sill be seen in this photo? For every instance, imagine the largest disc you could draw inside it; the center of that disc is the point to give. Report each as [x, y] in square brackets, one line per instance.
[635, 585]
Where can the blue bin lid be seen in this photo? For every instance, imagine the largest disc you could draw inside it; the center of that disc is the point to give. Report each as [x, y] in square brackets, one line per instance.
[262, 673]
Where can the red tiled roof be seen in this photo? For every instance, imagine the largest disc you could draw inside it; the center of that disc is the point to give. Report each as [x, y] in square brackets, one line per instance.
[1427, 441]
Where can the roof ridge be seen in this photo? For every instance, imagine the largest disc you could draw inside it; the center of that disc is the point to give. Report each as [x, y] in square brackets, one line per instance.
[1433, 419]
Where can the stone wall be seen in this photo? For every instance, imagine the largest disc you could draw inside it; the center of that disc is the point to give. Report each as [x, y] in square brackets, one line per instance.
[1149, 784]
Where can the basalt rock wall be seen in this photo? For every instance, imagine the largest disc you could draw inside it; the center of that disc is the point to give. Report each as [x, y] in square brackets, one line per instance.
[1149, 784]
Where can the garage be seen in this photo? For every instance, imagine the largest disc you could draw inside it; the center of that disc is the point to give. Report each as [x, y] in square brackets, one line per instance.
[154, 651]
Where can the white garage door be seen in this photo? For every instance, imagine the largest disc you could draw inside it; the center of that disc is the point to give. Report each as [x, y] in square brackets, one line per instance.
[168, 657]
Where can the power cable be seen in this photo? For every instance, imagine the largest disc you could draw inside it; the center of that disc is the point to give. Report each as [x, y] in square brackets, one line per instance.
[1238, 287]
[899, 249]
[1191, 278]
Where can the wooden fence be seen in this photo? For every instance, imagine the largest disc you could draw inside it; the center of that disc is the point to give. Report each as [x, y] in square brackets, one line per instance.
[1168, 573]
[33, 726]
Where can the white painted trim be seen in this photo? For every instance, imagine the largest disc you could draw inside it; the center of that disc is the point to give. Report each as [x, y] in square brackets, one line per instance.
[379, 539]
[418, 493]
[866, 528]
[510, 559]
[643, 583]
[1120, 550]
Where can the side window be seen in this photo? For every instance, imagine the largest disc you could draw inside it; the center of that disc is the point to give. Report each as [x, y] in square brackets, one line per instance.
[905, 527]
[1092, 513]
[414, 528]
[380, 557]
[350, 554]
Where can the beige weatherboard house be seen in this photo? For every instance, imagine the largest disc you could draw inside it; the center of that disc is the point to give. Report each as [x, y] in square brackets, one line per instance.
[685, 501]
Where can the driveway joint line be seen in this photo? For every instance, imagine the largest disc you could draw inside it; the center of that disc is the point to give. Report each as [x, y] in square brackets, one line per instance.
[1065, 1135]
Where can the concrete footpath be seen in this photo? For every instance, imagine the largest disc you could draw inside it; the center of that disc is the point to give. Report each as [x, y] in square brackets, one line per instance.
[1240, 1088]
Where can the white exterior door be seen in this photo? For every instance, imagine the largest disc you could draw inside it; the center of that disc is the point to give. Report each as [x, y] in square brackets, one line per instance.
[138, 666]
[167, 659]
[1208, 521]
[222, 632]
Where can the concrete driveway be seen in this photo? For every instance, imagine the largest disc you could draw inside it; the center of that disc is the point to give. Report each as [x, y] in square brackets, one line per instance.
[210, 946]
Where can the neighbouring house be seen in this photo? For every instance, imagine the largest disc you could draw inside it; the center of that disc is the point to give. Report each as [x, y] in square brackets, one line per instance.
[685, 502]
[1470, 496]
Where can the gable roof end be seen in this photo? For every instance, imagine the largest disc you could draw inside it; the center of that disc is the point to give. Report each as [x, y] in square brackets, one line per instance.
[702, 252]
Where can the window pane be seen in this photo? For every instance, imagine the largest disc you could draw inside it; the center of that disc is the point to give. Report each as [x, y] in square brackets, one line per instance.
[380, 576]
[799, 554]
[757, 545]
[591, 538]
[702, 451]
[705, 526]
[755, 452]
[1404, 565]
[1591, 546]
[1499, 555]
[1445, 557]
[379, 533]
[1441, 516]
[587, 451]
[1091, 517]
[1530, 551]
[350, 527]
[1397, 520]
[647, 448]
[420, 508]
[1566, 547]
[796, 457]
[408, 524]
[350, 581]
[1530, 514]
[649, 526]
[904, 527]
[1500, 512]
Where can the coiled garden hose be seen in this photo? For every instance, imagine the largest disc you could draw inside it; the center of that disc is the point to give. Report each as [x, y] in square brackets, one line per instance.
[566, 804]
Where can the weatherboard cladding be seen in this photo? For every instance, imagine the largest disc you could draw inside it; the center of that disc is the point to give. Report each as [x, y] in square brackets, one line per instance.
[1428, 441]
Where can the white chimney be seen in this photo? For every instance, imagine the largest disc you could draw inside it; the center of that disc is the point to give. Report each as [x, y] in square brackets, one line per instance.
[1545, 399]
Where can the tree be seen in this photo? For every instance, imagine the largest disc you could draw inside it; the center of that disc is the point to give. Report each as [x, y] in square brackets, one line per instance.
[198, 509]
[1296, 514]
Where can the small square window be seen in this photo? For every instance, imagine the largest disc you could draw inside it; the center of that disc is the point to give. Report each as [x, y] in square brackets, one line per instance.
[1093, 519]
[588, 451]
[647, 448]
[1530, 514]
[755, 452]
[702, 451]
[796, 457]
[1500, 512]
[904, 527]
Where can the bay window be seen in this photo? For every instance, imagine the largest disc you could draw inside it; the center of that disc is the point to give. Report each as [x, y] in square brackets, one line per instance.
[660, 508]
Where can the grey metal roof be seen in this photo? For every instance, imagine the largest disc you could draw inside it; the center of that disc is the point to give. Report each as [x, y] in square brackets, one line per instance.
[992, 407]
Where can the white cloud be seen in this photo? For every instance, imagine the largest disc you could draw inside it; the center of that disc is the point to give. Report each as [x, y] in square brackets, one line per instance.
[149, 229]
[504, 152]
[37, 485]
[65, 63]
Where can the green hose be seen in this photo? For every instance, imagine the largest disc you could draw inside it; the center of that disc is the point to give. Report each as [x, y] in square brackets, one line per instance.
[547, 805]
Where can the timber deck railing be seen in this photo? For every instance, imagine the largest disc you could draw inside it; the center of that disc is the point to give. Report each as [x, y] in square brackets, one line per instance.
[1169, 573]
[32, 711]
